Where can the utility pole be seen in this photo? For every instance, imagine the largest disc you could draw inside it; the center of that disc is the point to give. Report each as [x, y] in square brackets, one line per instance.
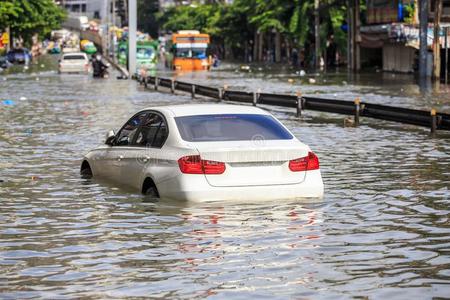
[115, 32]
[423, 32]
[353, 36]
[317, 33]
[114, 12]
[132, 28]
[9, 43]
[436, 40]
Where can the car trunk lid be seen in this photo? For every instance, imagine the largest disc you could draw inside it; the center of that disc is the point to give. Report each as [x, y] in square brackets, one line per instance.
[250, 163]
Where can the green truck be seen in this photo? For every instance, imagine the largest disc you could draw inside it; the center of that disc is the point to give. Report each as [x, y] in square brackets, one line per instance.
[146, 54]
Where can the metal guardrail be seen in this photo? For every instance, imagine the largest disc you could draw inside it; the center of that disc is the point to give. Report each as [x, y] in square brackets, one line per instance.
[430, 119]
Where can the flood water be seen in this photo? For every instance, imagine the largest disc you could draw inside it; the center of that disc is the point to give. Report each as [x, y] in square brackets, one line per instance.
[382, 230]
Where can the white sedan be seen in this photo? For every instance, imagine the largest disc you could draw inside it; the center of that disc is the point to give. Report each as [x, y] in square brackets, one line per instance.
[76, 62]
[207, 152]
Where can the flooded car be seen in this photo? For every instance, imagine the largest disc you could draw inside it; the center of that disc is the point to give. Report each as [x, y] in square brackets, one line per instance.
[207, 153]
[77, 62]
[4, 63]
[19, 56]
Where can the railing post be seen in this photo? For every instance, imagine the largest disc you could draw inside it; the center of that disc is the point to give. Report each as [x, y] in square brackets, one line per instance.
[220, 91]
[156, 83]
[433, 121]
[299, 104]
[193, 91]
[224, 90]
[172, 86]
[255, 98]
[357, 111]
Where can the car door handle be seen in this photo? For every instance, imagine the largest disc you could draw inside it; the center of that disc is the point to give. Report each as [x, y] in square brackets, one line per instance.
[120, 157]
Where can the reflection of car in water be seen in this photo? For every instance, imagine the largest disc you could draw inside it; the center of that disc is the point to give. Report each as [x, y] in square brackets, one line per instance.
[189, 51]
[207, 153]
[146, 54]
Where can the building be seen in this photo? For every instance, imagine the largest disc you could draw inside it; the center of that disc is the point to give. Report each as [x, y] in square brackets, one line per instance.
[391, 37]
[93, 9]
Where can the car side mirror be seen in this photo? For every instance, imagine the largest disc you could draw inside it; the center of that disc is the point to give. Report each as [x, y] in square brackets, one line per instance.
[110, 137]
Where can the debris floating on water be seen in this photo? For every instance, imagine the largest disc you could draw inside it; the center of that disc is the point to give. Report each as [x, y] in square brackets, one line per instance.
[23, 98]
[8, 102]
[349, 122]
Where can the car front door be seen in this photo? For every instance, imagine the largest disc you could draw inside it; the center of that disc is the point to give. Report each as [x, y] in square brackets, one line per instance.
[118, 153]
[146, 151]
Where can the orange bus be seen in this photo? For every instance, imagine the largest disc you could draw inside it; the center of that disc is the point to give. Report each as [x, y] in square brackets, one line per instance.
[189, 51]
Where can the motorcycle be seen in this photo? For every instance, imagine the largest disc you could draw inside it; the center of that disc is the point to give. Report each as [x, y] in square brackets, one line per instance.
[100, 69]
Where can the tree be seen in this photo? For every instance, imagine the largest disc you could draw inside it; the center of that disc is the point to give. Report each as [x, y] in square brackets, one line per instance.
[147, 10]
[28, 17]
[260, 24]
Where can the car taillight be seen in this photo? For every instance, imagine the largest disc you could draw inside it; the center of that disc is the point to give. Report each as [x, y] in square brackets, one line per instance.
[307, 163]
[193, 164]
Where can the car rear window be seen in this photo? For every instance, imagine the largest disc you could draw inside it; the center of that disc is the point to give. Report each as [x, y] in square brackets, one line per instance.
[230, 127]
[74, 57]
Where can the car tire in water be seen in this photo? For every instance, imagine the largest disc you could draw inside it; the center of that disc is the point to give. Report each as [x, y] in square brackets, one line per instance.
[152, 192]
[149, 188]
[85, 171]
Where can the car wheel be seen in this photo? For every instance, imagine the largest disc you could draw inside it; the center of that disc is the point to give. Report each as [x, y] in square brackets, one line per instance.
[85, 171]
[151, 192]
[149, 188]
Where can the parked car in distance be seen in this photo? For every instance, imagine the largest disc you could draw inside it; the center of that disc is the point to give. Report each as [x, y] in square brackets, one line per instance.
[19, 56]
[207, 152]
[4, 63]
[76, 62]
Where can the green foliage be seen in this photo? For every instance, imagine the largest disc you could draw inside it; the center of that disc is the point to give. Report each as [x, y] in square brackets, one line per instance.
[185, 17]
[408, 12]
[29, 17]
[298, 24]
[147, 10]
[235, 24]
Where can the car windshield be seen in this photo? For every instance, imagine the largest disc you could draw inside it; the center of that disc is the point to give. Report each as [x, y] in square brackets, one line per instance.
[144, 53]
[183, 52]
[74, 57]
[199, 52]
[230, 127]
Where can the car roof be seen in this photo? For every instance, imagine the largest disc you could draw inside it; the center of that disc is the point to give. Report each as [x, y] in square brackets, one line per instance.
[74, 54]
[208, 109]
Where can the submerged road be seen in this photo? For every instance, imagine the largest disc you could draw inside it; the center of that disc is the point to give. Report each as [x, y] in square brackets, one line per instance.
[381, 231]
